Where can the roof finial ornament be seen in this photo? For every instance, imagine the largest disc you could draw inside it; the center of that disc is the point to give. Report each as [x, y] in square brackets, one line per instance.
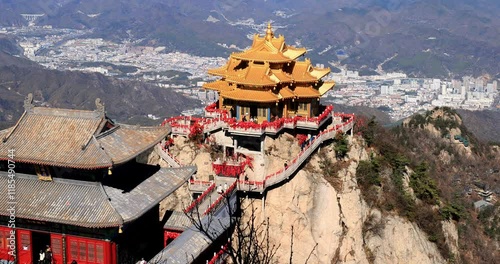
[99, 106]
[28, 102]
[269, 32]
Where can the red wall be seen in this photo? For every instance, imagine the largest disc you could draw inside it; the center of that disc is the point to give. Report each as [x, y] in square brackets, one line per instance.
[4, 243]
[83, 250]
[169, 234]
[90, 251]
[24, 249]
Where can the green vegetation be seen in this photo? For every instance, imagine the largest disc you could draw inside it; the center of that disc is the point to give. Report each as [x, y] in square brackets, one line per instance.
[453, 211]
[490, 218]
[440, 174]
[341, 145]
[424, 186]
[369, 180]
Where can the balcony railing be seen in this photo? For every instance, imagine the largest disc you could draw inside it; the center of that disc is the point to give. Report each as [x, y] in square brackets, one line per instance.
[220, 119]
[286, 172]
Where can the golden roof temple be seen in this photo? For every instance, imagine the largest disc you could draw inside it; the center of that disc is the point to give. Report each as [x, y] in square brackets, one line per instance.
[268, 81]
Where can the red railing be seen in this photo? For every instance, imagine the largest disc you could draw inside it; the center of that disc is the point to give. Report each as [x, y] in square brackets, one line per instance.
[232, 168]
[227, 193]
[181, 125]
[346, 119]
[219, 256]
[283, 173]
[165, 150]
[213, 111]
[200, 199]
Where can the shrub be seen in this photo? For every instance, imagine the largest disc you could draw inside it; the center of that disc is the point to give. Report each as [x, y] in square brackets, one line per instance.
[341, 146]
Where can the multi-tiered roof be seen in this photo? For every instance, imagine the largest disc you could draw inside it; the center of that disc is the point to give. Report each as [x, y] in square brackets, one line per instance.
[269, 71]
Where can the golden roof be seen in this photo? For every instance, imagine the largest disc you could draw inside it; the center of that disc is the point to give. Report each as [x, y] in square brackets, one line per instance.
[325, 87]
[254, 74]
[227, 69]
[286, 93]
[294, 53]
[250, 95]
[219, 85]
[279, 75]
[301, 71]
[306, 92]
[319, 73]
[269, 62]
[270, 49]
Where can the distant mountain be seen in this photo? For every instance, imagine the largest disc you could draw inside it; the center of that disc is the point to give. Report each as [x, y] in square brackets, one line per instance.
[382, 117]
[128, 102]
[422, 38]
[484, 124]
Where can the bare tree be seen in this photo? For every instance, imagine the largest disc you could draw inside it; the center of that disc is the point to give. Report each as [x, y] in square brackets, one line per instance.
[248, 238]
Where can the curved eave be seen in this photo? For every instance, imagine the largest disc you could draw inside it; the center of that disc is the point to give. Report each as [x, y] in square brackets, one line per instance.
[286, 93]
[320, 73]
[259, 83]
[217, 72]
[261, 57]
[251, 96]
[293, 54]
[61, 164]
[218, 86]
[306, 92]
[280, 77]
[67, 222]
[327, 86]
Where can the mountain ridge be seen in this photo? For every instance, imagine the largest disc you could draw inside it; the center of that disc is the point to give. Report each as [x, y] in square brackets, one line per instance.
[126, 101]
[467, 33]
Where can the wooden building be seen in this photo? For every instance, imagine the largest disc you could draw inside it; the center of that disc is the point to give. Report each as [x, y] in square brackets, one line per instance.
[76, 185]
[268, 81]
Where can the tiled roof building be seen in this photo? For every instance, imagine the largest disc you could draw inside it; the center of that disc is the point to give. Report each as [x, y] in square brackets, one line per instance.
[72, 182]
[267, 81]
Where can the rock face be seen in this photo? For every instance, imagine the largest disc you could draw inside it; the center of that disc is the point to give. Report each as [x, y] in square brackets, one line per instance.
[328, 224]
[403, 242]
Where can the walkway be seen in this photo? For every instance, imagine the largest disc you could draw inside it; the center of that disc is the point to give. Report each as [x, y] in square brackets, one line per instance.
[283, 174]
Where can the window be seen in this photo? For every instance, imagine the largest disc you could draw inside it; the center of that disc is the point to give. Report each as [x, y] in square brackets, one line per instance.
[74, 250]
[262, 112]
[100, 253]
[83, 251]
[25, 241]
[56, 246]
[303, 106]
[88, 251]
[91, 251]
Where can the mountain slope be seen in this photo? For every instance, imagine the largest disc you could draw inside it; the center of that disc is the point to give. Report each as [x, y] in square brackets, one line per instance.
[128, 102]
[431, 38]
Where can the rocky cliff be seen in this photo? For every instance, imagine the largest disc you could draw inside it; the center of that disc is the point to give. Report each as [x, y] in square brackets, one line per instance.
[337, 226]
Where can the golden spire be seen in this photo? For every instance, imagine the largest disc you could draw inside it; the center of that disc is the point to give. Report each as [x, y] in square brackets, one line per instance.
[269, 32]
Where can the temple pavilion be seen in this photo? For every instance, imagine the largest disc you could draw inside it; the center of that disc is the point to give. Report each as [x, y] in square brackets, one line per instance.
[74, 180]
[268, 81]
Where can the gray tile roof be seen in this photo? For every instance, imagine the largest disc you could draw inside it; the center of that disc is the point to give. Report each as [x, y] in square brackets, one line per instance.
[73, 138]
[88, 204]
[191, 243]
[61, 201]
[149, 193]
[178, 221]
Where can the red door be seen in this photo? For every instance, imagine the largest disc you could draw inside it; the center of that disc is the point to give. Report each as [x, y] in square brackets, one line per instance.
[56, 245]
[24, 246]
[5, 239]
[89, 251]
